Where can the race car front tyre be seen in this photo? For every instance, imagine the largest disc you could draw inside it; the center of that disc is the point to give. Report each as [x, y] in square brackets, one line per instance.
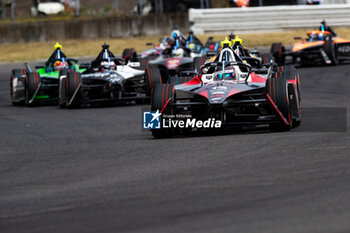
[16, 97]
[277, 92]
[129, 54]
[162, 96]
[175, 80]
[73, 85]
[62, 88]
[277, 50]
[144, 63]
[152, 78]
[331, 51]
[31, 87]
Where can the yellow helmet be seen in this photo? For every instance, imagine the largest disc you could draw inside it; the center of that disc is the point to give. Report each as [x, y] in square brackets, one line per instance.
[58, 46]
[226, 42]
[237, 40]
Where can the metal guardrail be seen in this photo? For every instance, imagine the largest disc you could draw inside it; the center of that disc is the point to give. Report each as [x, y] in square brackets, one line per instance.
[266, 19]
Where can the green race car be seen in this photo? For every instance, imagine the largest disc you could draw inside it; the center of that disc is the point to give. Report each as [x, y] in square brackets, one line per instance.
[37, 86]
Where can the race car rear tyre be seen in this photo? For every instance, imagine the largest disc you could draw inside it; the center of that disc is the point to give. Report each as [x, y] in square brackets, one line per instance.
[62, 88]
[277, 50]
[152, 78]
[129, 54]
[331, 51]
[161, 98]
[16, 73]
[73, 85]
[179, 80]
[31, 86]
[278, 93]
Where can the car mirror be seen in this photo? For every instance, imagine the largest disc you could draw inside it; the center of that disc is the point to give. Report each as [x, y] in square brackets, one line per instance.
[189, 73]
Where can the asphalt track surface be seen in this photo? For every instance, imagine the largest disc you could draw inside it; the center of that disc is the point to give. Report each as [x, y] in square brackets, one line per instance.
[94, 170]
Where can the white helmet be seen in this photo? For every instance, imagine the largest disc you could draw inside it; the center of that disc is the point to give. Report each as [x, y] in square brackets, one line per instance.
[178, 52]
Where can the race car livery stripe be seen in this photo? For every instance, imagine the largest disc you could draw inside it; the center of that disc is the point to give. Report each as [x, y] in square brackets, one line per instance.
[165, 105]
[278, 111]
[292, 81]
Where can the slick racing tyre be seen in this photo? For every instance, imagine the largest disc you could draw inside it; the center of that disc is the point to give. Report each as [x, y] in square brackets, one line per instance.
[129, 54]
[277, 50]
[73, 95]
[277, 91]
[179, 80]
[162, 96]
[144, 63]
[152, 78]
[14, 93]
[31, 87]
[62, 88]
[331, 51]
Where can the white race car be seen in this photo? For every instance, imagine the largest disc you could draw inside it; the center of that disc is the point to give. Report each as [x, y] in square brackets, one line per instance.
[106, 80]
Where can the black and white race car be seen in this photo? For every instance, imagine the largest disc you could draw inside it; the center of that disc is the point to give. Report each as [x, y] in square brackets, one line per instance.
[107, 79]
[231, 92]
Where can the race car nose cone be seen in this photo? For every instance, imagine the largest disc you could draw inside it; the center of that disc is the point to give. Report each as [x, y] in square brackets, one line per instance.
[217, 94]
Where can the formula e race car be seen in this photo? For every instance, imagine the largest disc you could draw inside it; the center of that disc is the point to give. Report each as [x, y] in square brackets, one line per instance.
[321, 47]
[253, 57]
[107, 79]
[37, 86]
[230, 93]
[177, 38]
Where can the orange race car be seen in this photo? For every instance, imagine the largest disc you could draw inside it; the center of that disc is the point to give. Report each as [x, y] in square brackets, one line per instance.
[322, 46]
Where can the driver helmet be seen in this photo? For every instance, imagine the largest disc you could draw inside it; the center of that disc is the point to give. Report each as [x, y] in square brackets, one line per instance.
[320, 36]
[59, 65]
[178, 52]
[192, 46]
[107, 65]
[227, 74]
[175, 34]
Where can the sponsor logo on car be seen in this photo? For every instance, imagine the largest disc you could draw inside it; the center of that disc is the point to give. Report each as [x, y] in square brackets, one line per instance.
[173, 63]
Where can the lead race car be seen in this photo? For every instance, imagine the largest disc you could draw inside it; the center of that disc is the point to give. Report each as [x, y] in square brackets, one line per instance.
[39, 86]
[230, 91]
[322, 46]
[107, 79]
